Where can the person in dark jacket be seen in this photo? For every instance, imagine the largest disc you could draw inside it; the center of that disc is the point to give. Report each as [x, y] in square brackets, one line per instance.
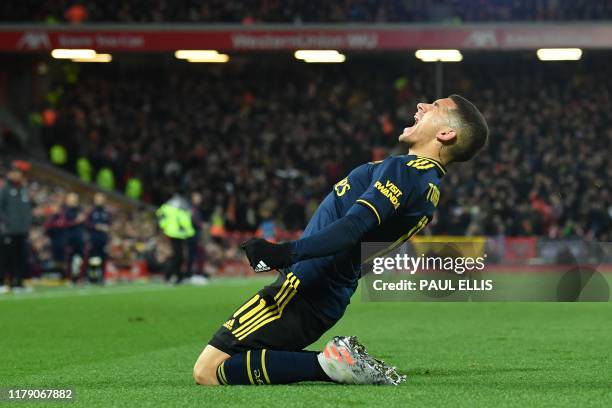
[195, 250]
[53, 228]
[15, 223]
[98, 226]
[73, 221]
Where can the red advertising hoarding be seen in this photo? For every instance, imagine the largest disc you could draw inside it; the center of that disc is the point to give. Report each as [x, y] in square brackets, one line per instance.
[147, 38]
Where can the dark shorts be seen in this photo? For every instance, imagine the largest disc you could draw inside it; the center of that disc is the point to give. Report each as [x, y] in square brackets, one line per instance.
[276, 318]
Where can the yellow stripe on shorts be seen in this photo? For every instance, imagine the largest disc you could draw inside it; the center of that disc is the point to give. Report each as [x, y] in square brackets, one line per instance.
[272, 312]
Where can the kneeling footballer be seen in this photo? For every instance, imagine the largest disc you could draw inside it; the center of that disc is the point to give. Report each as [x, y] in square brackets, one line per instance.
[388, 201]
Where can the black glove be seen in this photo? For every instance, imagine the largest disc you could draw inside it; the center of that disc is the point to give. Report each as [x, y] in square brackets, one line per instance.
[265, 256]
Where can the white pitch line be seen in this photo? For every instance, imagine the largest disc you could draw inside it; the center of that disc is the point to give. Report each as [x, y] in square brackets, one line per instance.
[76, 292]
[119, 290]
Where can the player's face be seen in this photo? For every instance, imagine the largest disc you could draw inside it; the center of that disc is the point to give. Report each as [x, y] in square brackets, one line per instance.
[99, 199]
[196, 198]
[429, 119]
[15, 176]
[72, 200]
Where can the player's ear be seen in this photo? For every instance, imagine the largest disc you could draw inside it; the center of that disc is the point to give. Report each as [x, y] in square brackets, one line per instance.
[446, 135]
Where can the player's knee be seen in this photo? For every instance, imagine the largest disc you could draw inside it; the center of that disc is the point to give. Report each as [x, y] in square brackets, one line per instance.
[203, 374]
[205, 368]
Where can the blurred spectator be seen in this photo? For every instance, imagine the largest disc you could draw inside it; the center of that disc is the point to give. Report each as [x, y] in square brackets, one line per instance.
[304, 11]
[157, 254]
[76, 14]
[195, 249]
[73, 230]
[15, 222]
[53, 226]
[267, 227]
[98, 227]
[176, 222]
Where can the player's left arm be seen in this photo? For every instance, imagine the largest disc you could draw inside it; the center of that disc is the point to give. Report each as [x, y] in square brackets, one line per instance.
[388, 192]
[339, 235]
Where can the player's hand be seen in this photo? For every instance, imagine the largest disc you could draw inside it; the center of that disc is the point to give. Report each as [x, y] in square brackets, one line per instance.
[265, 256]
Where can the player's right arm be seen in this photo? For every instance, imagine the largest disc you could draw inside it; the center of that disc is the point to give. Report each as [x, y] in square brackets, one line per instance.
[389, 190]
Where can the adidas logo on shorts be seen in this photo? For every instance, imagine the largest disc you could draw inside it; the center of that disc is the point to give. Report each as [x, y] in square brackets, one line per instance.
[262, 267]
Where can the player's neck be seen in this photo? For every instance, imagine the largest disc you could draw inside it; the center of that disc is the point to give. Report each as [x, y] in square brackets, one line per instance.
[427, 152]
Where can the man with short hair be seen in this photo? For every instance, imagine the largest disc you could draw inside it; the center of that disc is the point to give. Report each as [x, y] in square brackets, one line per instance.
[98, 227]
[73, 231]
[389, 200]
[15, 223]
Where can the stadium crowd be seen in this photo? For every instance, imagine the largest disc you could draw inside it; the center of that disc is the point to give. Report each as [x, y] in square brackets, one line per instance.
[64, 233]
[303, 11]
[60, 232]
[264, 142]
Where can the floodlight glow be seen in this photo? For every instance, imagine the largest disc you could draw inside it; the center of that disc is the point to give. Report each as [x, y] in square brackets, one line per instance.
[559, 54]
[97, 58]
[196, 54]
[219, 58]
[314, 56]
[62, 53]
[439, 55]
[331, 59]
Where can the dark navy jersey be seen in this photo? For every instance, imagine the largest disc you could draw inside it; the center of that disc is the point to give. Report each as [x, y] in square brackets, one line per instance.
[98, 215]
[402, 193]
[70, 218]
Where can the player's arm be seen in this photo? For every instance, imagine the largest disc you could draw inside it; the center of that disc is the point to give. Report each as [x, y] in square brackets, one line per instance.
[340, 235]
[384, 197]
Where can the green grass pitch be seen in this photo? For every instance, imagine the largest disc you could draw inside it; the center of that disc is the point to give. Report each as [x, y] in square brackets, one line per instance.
[135, 346]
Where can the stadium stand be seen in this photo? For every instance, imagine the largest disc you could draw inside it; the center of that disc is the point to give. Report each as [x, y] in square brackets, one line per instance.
[253, 144]
[133, 235]
[303, 11]
[264, 139]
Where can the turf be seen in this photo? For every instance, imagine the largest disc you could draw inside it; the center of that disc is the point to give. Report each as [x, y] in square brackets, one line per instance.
[136, 345]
